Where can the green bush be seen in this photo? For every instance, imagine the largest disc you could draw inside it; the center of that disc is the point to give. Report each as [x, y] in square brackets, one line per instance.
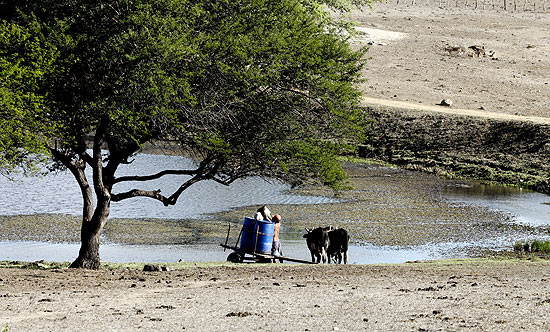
[540, 246]
[536, 246]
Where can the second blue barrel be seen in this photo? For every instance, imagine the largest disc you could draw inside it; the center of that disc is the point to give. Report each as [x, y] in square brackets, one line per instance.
[263, 237]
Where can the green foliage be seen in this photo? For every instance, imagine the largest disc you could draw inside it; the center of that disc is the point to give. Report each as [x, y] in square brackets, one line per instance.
[6, 328]
[301, 160]
[541, 246]
[536, 246]
[247, 88]
[232, 81]
[24, 62]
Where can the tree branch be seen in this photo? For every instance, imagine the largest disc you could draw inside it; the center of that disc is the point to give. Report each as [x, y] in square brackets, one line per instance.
[155, 194]
[201, 173]
[77, 168]
[97, 164]
[155, 176]
[174, 197]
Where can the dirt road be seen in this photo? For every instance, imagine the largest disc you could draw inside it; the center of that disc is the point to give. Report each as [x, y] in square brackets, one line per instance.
[368, 101]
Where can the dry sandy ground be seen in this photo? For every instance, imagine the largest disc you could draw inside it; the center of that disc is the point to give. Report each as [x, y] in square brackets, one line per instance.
[457, 296]
[420, 54]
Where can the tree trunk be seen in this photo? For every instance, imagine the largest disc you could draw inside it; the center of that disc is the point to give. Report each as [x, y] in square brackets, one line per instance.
[88, 256]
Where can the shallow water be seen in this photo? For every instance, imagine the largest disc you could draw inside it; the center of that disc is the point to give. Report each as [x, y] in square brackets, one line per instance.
[115, 253]
[59, 194]
[119, 253]
[524, 206]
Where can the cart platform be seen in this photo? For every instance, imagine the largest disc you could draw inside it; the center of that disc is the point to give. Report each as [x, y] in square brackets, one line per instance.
[239, 255]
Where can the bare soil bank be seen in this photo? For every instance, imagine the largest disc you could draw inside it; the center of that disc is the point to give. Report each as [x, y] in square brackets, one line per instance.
[508, 152]
[440, 296]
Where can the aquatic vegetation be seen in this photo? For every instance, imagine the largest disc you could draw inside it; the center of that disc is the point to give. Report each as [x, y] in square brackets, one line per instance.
[535, 246]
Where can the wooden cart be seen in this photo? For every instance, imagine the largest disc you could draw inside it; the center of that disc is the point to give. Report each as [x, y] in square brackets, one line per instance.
[239, 255]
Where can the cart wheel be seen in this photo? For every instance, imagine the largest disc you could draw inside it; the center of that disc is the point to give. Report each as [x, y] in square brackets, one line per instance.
[235, 257]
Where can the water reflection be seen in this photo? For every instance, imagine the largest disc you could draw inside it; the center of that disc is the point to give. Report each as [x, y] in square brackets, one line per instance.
[524, 206]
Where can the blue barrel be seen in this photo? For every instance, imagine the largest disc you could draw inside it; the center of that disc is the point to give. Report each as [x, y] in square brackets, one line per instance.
[247, 236]
[263, 237]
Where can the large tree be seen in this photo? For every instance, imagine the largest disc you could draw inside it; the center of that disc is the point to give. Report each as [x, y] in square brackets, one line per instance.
[246, 88]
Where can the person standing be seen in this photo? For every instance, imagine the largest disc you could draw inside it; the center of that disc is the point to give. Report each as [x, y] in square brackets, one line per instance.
[276, 247]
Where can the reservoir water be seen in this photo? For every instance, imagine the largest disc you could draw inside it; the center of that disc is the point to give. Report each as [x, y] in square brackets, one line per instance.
[525, 206]
[59, 194]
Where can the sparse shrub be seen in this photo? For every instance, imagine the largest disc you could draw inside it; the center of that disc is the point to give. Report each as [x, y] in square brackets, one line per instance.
[5, 329]
[545, 247]
[537, 246]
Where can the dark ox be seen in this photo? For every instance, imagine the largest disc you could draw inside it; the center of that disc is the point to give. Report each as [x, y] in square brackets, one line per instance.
[318, 241]
[338, 246]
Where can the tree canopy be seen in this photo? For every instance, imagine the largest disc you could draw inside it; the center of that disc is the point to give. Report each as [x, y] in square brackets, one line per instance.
[256, 87]
[24, 61]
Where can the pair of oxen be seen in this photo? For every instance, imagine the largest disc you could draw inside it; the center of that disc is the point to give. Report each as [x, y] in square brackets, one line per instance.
[327, 244]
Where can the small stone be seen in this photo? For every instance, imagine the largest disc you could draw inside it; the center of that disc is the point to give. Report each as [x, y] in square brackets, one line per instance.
[151, 268]
[446, 102]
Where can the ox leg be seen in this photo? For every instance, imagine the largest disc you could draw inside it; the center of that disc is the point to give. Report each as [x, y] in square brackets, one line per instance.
[317, 258]
[346, 257]
[324, 255]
